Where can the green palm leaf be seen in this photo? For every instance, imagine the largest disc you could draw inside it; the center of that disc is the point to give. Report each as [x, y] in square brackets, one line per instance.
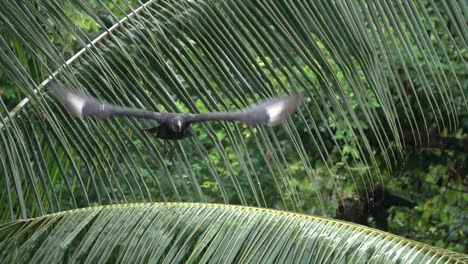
[204, 233]
[205, 56]
[352, 59]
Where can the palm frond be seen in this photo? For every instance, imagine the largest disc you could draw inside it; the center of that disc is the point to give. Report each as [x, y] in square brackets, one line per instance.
[351, 59]
[204, 233]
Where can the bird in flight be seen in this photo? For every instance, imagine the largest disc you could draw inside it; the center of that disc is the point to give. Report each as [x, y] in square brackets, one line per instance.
[174, 126]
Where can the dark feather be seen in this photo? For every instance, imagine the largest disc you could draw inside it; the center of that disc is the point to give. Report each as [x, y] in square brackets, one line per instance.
[174, 125]
[163, 131]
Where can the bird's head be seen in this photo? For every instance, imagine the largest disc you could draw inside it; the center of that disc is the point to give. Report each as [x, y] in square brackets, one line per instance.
[176, 125]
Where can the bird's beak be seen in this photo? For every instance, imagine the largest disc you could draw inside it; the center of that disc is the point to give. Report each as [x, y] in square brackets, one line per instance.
[179, 125]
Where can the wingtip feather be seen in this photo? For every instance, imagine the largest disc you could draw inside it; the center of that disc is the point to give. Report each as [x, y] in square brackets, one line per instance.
[74, 102]
[281, 109]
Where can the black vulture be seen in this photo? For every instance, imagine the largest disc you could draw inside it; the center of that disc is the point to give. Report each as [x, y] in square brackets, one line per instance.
[174, 126]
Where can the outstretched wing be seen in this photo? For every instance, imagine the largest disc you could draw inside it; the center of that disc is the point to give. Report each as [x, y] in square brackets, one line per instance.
[270, 112]
[80, 104]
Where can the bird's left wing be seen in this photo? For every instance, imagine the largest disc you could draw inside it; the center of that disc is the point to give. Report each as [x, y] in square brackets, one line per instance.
[270, 112]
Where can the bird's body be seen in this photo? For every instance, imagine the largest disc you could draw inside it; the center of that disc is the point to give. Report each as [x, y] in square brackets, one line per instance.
[164, 131]
[174, 126]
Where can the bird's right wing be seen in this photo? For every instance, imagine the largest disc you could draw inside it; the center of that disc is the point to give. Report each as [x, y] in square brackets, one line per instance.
[80, 104]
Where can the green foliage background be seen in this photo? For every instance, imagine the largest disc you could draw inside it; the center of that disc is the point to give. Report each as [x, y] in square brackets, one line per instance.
[435, 179]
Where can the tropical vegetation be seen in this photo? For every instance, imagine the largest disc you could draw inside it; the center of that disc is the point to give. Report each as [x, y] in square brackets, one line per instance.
[385, 84]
